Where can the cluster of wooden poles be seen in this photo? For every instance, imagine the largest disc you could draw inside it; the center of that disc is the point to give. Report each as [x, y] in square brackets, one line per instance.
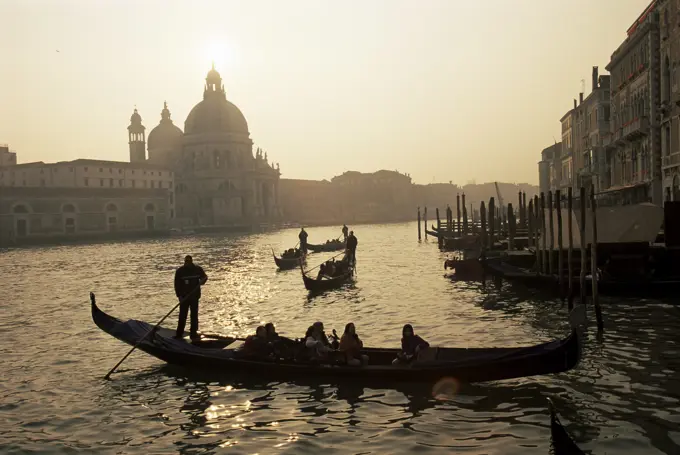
[495, 222]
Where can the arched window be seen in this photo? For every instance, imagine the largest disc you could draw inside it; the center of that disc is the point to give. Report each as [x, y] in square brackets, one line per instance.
[20, 209]
[111, 208]
[68, 208]
[149, 207]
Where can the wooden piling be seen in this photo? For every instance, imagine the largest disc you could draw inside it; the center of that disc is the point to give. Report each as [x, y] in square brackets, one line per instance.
[524, 207]
[511, 228]
[570, 253]
[465, 215]
[560, 248]
[544, 237]
[439, 228]
[519, 207]
[537, 231]
[551, 251]
[482, 220]
[582, 228]
[425, 221]
[449, 221]
[593, 263]
[492, 222]
[530, 227]
[458, 226]
[419, 224]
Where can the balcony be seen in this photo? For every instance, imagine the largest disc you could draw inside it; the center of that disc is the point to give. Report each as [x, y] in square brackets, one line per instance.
[636, 128]
[671, 160]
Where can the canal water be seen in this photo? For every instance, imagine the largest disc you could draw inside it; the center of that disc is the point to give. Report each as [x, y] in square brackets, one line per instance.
[623, 398]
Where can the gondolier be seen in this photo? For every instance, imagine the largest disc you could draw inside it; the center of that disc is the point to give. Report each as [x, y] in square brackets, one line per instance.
[303, 240]
[344, 232]
[188, 281]
[352, 243]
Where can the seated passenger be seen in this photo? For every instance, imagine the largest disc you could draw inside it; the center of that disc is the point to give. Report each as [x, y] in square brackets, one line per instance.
[257, 345]
[322, 272]
[317, 342]
[270, 331]
[411, 345]
[351, 345]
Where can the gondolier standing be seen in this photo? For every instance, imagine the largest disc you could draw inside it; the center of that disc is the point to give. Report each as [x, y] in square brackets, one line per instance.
[352, 247]
[188, 281]
[303, 240]
[344, 232]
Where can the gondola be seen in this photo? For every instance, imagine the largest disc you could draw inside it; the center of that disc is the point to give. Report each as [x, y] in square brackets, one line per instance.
[284, 263]
[462, 364]
[317, 285]
[333, 245]
[562, 442]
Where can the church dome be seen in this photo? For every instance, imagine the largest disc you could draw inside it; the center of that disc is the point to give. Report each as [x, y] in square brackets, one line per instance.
[215, 114]
[166, 134]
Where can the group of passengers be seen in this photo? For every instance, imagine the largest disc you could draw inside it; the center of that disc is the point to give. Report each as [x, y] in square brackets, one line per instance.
[317, 347]
[291, 253]
[332, 268]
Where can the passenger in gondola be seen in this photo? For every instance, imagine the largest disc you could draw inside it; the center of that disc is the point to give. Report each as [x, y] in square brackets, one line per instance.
[344, 232]
[270, 330]
[330, 268]
[257, 345]
[351, 345]
[317, 342]
[411, 345]
[322, 272]
[303, 240]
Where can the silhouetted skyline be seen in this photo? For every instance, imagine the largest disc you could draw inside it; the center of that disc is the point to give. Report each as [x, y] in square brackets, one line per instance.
[443, 90]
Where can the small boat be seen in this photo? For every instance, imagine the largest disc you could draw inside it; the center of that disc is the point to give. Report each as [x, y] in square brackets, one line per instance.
[562, 442]
[333, 245]
[325, 284]
[287, 263]
[462, 364]
[467, 263]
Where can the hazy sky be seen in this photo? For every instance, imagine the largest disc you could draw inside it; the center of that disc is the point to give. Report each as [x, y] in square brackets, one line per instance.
[444, 89]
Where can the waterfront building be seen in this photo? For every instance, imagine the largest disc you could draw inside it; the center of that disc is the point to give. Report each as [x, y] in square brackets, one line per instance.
[7, 158]
[219, 180]
[633, 146]
[563, 178]
[83, 198]
[669, 33]
[550, 168]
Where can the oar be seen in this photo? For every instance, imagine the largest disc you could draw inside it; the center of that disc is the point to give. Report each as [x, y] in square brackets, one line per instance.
[309, 270]
[184, 299]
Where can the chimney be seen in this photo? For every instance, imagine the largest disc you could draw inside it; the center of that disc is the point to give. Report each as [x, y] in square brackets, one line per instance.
[580, 98]
[575, 104]
[595, 84]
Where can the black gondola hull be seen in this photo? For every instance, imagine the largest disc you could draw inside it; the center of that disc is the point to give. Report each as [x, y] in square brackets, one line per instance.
[326, 247]
[289, 263]
[464, 365]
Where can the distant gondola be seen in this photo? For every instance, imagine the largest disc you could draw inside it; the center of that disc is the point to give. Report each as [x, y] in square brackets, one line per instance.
[461, 364]
[333, 245]
[287, 263]
[562, 442]
[324, 284]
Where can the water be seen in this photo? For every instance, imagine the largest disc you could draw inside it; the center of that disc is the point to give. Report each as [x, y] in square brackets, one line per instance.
[623, 398]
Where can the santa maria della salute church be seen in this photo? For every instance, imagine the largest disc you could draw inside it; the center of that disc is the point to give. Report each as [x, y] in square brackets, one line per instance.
[218, 179]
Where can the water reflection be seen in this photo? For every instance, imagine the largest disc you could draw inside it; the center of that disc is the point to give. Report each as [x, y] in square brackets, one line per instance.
[623, 398]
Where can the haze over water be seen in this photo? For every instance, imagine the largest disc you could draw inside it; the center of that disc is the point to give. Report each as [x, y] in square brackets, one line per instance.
[623, 398]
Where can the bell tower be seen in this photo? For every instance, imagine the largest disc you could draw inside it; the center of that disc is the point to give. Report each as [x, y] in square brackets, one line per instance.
[137, 138]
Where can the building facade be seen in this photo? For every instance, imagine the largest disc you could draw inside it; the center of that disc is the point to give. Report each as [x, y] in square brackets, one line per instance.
[83, 198]
[592, 125]
[563, 178]
[550, 167]
[219, 180]
[633, 147]
[669, 25]
[7, 158]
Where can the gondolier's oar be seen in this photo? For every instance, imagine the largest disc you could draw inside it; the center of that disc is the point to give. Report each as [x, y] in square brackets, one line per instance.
[184, 299]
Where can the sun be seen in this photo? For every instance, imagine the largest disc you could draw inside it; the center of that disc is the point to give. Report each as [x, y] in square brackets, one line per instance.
[220, 52]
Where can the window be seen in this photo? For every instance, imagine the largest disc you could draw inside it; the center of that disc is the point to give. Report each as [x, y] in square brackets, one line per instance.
[85, 168]
[120, 171]
[101, 182]
[111, 182]
[86, 182]
[145, 183]
[159, 173]
[101, 169]
[121, 182]
[133, 183]
[133, 172]
[151, 172]
[153, 184]
[42, 182]
[144, 172]
[70, 169]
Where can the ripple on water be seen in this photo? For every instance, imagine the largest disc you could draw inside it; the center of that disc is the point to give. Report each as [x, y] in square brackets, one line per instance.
[623, 398]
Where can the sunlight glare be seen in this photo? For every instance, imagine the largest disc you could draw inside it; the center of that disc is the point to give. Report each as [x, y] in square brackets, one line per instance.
[219, 51]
